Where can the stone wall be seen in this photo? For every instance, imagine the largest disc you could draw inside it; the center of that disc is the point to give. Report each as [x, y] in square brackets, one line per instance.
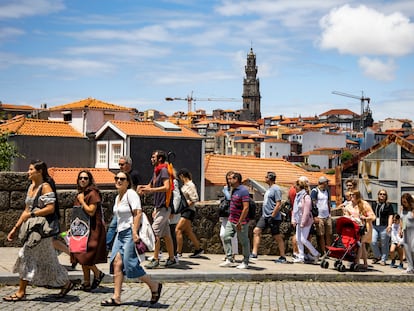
[13, 187]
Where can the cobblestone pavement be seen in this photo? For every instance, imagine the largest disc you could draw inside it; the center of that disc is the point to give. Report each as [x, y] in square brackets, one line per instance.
[279, 295]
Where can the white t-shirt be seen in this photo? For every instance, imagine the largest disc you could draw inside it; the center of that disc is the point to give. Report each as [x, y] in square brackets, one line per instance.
[122, 209]
[322, 204]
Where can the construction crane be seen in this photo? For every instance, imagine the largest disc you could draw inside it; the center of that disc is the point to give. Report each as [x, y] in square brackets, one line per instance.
[190, 99]
[362, 98]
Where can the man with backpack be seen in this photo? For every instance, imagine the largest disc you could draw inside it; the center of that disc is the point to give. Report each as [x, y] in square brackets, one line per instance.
[238, 222]
[160, 185]
[321, 210]
[271, 218]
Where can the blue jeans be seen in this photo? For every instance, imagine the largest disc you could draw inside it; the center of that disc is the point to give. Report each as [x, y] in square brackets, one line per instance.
[380, 232]
[243, 237]
[111, 233]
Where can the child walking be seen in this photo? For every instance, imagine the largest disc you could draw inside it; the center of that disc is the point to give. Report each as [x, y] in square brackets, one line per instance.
[396, 242]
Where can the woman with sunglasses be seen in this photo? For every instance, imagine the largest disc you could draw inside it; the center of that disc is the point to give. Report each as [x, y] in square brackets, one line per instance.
[384, 213]
[407, 229]
[89, 199]
[124, 260]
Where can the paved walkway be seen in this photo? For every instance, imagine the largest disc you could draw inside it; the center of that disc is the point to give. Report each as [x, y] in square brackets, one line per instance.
[206, 268]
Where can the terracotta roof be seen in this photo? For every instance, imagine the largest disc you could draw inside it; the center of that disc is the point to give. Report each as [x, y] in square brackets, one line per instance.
[16, 107]
[287, 173]
[67, 176]
[90, 103]
[35, 127]
[134, 128]
[339, 112]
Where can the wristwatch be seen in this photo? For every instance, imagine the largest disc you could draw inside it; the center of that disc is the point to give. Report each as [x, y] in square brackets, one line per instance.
[32, 214]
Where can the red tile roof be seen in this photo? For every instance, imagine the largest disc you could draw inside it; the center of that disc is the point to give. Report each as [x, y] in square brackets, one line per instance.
[134, 128]
[35, 127]
[67, 176]
[339, 112]
[91, 103]
[16, 107]
[287, 173]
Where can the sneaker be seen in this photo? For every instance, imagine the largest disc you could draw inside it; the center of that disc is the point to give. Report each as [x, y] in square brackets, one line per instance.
[281, 260]
[295, 255]
[170, 262]
[243, 265]
[253, 256]
[400, 266]
[409, 271]
[177, 258]
[159, 257]
[197, 253]
[393, 265]
[227, 263]
[298, 260]
[153, 264]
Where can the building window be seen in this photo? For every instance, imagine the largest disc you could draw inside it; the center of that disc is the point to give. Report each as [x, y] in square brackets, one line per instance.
[116, 152]
[101, 154]
[109, 117]
[67, 116]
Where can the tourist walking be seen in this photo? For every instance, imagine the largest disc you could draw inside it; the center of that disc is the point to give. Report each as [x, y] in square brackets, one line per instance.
[159, 186]
[189, 191]
[37, 262]
[238, 222]
[302, 220]
[124, 260]
[89, 200]
[271, 218]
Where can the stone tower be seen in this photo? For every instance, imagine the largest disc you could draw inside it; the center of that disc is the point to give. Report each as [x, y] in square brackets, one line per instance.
[251, 90]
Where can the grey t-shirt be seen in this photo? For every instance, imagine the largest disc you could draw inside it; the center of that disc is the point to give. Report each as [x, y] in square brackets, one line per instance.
[272, 195]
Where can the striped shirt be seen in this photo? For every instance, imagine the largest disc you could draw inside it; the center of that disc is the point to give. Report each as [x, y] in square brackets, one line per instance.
[238, 196]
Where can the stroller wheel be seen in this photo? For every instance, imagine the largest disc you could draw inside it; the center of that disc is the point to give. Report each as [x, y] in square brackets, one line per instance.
[352, 266]
[341, 268]
[325, 264]
[337, 263]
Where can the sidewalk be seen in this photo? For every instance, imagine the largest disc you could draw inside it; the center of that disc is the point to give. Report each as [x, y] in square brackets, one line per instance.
[206, 268]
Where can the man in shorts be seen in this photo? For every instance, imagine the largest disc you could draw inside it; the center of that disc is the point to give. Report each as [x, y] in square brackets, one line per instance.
[271, 218]
[321, 198]
[159, 186]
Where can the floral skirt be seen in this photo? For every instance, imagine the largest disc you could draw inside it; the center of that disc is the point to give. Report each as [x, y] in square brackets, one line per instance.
[40, 266]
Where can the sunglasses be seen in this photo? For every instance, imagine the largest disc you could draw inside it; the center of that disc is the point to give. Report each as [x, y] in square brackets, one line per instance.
[121, 164]
[119, 178]
[83, 177]
[382, 194]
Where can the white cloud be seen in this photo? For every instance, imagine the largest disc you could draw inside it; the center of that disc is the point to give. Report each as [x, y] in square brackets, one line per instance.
[11, 9]
[8, 32]
[365, 31]
[377, 69]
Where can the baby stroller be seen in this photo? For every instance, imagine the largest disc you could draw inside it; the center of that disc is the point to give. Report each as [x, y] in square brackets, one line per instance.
[346, 245]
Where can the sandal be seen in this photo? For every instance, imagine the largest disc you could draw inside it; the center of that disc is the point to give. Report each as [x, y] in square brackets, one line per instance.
[14, 297]
[66, 289]
[110, 303]
[86, 287]
[156, 295]
[98, 280]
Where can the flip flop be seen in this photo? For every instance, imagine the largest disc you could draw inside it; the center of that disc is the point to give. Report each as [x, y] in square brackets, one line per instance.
[14, 298]
[110, 303]
[156, 295]
[65, 290]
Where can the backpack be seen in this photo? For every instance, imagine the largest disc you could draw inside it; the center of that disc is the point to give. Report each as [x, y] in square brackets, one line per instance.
[314, 209]
[252, 209]
[169, 194]
[286, 211]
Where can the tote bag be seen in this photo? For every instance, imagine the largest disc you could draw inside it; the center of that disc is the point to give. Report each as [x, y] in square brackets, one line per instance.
[79, 231]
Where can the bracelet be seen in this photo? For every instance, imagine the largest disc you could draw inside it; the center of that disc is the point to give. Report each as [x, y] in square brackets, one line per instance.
[32, 214]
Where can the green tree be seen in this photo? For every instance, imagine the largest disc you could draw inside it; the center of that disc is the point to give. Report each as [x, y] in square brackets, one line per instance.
[345, 156]
[8, 152]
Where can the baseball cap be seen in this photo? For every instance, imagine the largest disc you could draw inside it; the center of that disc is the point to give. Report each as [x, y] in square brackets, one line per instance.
[322, 179]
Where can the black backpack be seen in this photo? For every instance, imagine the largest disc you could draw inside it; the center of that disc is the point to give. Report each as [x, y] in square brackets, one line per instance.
[252, 209]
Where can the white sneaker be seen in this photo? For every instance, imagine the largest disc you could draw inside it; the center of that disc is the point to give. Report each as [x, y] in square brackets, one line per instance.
[299, 260]
[243, 265]
[177, 258]
[227, 263]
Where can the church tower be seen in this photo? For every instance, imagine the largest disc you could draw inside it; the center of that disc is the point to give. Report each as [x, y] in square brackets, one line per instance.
[251, 90]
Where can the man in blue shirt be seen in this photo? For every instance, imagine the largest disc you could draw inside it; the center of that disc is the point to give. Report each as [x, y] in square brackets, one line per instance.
[271, 218]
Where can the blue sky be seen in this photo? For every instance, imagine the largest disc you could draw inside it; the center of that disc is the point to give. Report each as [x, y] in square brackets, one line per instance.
[136, 53]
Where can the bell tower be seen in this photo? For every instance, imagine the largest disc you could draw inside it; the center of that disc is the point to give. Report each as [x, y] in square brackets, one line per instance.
[251, 89]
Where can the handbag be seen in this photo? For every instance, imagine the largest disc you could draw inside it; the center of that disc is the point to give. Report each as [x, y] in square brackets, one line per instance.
[224, 208]
[52, 219]
[183, 204]
[79, 231]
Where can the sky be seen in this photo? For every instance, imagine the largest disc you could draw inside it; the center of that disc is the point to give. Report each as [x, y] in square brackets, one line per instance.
[136, 53]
